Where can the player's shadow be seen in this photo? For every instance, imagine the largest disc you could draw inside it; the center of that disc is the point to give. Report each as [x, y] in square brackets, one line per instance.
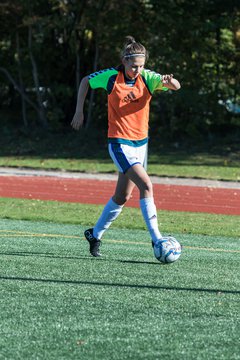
[85, 257]
[42, 255]
[119, 285]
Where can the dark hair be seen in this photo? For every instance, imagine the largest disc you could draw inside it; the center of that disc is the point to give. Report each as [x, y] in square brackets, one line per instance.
[131, 47]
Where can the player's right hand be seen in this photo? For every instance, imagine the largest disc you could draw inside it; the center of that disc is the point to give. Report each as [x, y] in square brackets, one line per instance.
[77, 121]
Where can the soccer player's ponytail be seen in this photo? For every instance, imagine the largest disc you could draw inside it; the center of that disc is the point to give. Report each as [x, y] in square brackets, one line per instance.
[132, 48]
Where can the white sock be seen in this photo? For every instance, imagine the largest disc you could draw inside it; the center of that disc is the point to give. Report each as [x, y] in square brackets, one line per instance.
[109, 214]
[150, 216]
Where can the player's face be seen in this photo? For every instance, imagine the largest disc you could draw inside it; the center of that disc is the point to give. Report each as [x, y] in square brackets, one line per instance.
[134, 66]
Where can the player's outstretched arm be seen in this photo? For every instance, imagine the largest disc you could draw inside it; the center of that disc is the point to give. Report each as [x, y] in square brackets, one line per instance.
[77, 121]
[170, 82]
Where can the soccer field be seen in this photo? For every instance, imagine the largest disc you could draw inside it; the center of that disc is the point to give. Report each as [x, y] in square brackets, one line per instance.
[57, 302]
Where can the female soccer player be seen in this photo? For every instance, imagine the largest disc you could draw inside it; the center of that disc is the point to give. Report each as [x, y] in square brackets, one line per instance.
[130, 88]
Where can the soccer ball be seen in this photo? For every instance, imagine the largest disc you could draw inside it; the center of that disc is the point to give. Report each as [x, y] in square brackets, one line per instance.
[167, 250]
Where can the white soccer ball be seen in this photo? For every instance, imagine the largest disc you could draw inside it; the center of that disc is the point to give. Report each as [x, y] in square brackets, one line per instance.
[167, 250]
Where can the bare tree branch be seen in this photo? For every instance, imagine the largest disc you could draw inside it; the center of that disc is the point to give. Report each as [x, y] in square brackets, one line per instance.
[41, 110]
[18, 88]
[24, 114]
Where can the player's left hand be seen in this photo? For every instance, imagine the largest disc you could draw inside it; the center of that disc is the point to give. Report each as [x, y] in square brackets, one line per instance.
[166, 79]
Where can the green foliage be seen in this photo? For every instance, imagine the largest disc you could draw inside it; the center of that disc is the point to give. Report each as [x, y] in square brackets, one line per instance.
[197, 41]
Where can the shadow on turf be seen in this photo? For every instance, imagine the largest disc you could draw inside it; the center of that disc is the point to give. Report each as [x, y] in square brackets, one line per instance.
[87, 257]
[119, 285]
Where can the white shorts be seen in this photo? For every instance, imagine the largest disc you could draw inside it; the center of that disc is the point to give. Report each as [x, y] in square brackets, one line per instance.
[124, 156]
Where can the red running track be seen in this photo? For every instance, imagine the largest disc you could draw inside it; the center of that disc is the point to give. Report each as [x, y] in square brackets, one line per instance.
[167, 197]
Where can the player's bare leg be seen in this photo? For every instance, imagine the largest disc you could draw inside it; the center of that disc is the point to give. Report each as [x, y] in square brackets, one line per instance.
[138, 175]
[123, 191]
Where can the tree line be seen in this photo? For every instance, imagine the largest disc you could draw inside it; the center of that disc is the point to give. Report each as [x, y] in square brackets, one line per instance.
[47, 46]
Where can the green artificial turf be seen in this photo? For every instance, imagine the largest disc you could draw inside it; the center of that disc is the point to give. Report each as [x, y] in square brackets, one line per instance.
[57, 302]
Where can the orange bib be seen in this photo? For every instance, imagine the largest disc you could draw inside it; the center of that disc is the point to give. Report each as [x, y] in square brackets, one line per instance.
[128, 109]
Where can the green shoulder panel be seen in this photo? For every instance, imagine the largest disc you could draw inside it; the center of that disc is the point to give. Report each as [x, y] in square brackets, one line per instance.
[153, 81]
[99, 79]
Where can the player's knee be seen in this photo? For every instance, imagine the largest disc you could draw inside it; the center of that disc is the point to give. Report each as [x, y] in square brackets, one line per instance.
[121, 199]
[146, 186]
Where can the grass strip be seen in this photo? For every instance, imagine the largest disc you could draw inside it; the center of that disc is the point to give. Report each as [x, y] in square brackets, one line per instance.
[131, 218]
[158, 167]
